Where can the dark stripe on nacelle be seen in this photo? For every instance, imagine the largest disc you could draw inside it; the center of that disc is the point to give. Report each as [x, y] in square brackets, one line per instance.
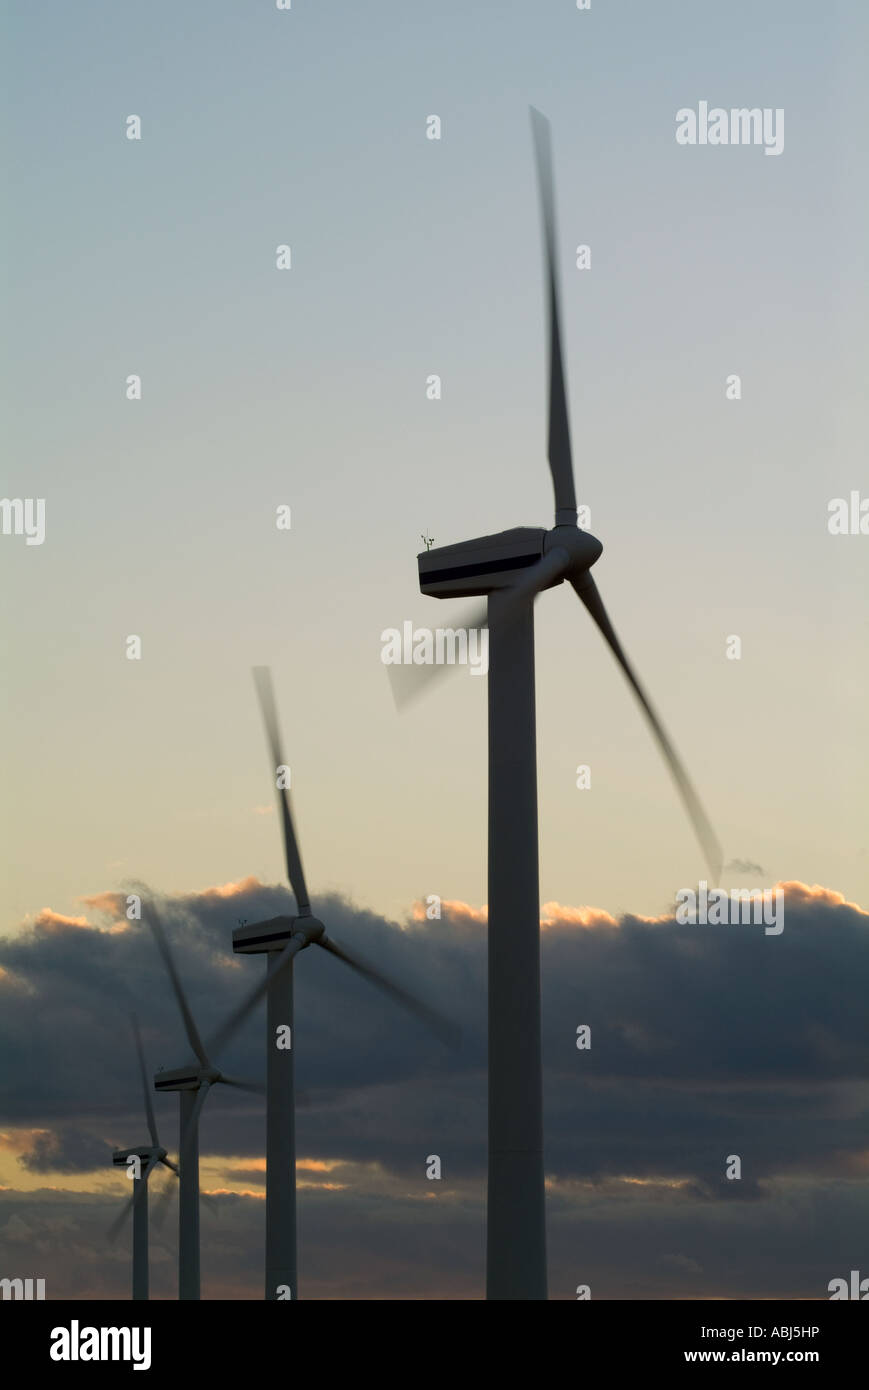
[257, 940]
[513, 562]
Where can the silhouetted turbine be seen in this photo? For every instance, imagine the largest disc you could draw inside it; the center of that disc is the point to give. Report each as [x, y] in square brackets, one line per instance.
[512, 568]
[193, 1083]
[283, 938]
[149, 1155]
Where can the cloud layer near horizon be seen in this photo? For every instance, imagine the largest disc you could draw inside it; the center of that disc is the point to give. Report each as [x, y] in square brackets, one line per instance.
[705, 1042]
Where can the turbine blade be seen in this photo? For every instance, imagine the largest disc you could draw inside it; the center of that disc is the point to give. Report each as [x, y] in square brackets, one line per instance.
[149, 1104]
[588, 592]
[161, 1206]
[295, 872]
[409, 682]
[249, 1003]
[189, 1026]
[560, 458]
[114, 1230]
[256, 1087]
[446, 1031]
[188, 1139]
[172, 1166]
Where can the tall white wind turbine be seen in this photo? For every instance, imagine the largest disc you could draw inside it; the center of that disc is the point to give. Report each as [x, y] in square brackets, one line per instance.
[511, 568]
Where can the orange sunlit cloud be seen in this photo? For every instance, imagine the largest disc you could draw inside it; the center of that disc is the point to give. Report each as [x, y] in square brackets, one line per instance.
[233, 1192]
[50, 921]
[115, 903]
[107, 902]
[19, 1141]
[228, 890]
[457, 911]
[253, 1165]
[554, 914]
[227, 1176]
[800, 893]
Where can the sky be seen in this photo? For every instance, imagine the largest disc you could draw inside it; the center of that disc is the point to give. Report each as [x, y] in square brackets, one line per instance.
[307, 388]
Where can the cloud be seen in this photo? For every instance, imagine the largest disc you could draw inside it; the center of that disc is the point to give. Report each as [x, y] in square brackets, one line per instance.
[67, 1150]
[705, 1042]
[555, 915]
[682, 1263]
[49, 921]
[459, 913]
[412, 1244]
[244, 888]
[107, 904]
[801, 894]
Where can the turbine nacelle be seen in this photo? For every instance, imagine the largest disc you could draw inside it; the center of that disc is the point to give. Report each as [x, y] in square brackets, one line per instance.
[144, 1153]
[501, 561]
[188, 1078]
[274, 934]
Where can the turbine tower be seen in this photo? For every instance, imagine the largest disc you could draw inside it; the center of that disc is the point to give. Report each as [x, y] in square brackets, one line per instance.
[193, 1082]
[511, 568]
[281, 939]
[147, 1157]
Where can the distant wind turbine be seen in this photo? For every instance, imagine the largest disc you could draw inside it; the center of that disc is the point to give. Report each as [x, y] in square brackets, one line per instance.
[146, 1159]
[193, 1082]
[283, 938]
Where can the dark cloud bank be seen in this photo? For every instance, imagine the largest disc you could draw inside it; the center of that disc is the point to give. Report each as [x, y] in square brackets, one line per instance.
[706, 1042]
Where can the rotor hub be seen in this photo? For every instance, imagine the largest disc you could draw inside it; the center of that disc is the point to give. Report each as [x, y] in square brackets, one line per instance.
[311, 928]
[583, 548]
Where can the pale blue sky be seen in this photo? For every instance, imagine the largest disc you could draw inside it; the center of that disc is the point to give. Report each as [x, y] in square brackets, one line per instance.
[308, 387]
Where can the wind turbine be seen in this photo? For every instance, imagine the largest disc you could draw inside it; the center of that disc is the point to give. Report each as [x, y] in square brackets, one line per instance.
[282, 938]
[193, 1082]
[511, 568]
[148, 1155]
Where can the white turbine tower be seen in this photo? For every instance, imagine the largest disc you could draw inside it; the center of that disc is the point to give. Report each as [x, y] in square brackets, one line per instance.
[141, 1162]
[511, 568]
[282, 938]
[193, 1082]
